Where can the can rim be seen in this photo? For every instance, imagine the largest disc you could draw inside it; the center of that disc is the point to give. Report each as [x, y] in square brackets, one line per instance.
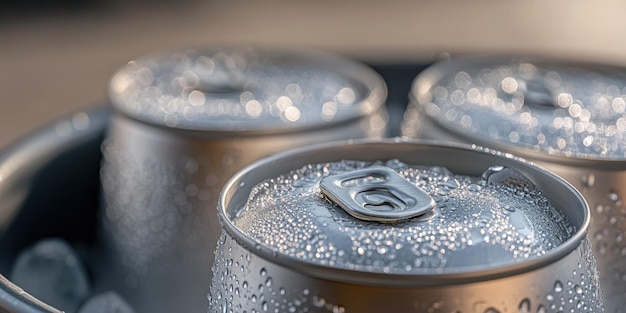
[428, 277]
[373, 100]
[434, 73]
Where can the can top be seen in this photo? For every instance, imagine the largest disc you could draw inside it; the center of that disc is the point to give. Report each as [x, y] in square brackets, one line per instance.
[385, 216]
[245, 89]
[555, 108]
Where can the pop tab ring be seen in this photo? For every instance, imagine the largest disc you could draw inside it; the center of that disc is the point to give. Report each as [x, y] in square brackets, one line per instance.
[377, 194]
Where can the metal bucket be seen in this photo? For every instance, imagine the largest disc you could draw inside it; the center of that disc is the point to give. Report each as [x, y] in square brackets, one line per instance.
[49, 188]
[568, 117]
[186, 121]
[303, 233]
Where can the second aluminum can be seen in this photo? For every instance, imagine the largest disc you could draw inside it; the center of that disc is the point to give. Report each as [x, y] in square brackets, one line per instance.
[402, 226]
[185, 122]
[566, 116]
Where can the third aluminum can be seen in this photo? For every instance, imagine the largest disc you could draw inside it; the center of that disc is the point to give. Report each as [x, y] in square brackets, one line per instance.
[402, 226]
[186, 121]
[569, 117]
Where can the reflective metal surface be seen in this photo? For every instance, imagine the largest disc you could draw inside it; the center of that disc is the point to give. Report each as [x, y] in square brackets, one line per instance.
[186, 121]
[566, 116]
[50, 186]
[64, 158]
[255, 271]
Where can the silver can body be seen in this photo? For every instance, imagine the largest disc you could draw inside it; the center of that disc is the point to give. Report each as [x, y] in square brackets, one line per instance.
[598, 174]
[248, 276]
[161, 183]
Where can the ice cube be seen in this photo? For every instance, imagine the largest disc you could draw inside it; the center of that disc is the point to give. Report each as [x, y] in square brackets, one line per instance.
[108, 302]
[51, 271]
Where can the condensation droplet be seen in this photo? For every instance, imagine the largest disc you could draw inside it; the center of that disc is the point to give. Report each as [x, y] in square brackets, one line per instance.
[524, 306]
[578, 289]
[319, 301]
[599, 208]
[589, 180]
[558, 286]
[338, 309]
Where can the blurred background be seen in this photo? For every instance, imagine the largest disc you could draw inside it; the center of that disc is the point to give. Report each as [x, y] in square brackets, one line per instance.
[57, 56]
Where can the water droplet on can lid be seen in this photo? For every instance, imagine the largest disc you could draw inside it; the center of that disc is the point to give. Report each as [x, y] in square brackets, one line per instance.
[244, 89]
[301, 222]
[524, 306]
[563, 109]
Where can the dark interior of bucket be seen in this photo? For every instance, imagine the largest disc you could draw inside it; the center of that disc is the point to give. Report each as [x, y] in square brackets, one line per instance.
[62, 202]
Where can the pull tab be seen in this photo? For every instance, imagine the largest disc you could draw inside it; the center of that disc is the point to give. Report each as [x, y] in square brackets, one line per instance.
[377, 194]
[538, 95]
[219, 75]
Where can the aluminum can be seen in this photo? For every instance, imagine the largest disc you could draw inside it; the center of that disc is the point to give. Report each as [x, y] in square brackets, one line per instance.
[402, 226]
[185, 122]
[566, 116]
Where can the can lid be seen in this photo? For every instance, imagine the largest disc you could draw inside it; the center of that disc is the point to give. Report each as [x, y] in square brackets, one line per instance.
[245, 89]
[392, 217]
[556, 108]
